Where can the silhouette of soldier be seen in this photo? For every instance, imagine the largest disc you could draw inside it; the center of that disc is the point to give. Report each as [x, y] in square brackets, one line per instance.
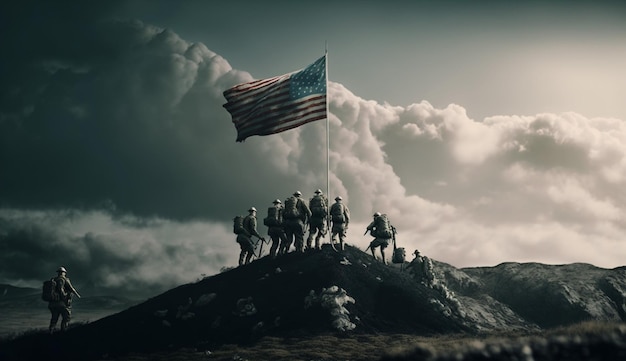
[340, 216]
[317, 224]
[63, 306]
[296, 216]
[245, 238]
[274, 223]
[383, 232]
[422, 268]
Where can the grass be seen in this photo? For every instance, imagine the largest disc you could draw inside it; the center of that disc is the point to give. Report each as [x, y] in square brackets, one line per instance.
[364, 347]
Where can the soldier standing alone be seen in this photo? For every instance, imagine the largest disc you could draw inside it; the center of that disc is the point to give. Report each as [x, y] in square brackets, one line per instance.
[62, 304]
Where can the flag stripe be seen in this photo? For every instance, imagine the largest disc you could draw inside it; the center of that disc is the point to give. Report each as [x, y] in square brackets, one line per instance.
[273, 105]
[301, 114]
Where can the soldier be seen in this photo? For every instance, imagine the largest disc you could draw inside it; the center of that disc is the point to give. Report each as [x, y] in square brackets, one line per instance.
[245, 238]
[63, 306]
[422, 268]
[296, 215]
[317, 224]
[274, 223]
[340, 216]
[383, 232]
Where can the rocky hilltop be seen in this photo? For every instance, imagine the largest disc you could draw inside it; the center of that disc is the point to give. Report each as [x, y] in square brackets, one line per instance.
[347, 293]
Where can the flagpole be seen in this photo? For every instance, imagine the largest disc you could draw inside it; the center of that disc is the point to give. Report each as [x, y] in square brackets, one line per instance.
[327, 126]
[327, 144]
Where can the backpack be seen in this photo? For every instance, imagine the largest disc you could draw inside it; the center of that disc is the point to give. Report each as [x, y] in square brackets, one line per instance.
[273, 217]
[399, 255]
[336, 213]
[49, 292]
[291, 208]
[52, 290]
[318, 207]
[383, 227]
[238, 225]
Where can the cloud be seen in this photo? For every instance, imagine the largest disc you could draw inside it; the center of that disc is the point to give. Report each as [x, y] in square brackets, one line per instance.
[120, 162]
[127, 256]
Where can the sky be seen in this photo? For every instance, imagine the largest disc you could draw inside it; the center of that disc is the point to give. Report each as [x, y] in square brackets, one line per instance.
[488, 133]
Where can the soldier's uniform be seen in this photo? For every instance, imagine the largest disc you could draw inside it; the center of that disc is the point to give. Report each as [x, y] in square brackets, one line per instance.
[62, 307]
[277, 233]
[340, 216]
[295, 227]
[245, 239]
[378, 241]
[422, 268]
[317, 224]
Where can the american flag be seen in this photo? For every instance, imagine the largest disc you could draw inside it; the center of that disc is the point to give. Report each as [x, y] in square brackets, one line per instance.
[273, 105]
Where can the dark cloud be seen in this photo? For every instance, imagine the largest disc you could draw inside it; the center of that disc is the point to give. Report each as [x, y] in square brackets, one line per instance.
[119, 161]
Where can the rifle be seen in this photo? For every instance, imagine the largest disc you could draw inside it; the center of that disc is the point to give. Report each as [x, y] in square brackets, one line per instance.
[75, 292]
[261, 247]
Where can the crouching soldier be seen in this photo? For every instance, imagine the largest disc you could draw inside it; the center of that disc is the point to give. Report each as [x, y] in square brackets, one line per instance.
[422, 268]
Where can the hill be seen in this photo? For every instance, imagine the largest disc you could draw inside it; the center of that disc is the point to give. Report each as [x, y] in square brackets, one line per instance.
[343, 293]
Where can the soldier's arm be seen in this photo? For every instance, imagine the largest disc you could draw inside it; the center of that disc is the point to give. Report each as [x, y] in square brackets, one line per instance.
[253, 227]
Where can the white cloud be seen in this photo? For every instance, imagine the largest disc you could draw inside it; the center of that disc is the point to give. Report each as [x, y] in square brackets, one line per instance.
[149, 137]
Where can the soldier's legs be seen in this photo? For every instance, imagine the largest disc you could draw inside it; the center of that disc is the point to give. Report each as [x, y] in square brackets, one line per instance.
[299, 242]
[289, 235]
[249, 256]
[383, 245]
[55, 313]
[295, 229]
[242, 256]
[342, 236]
[309, 239]
[66, 314]
[284, 244]
[320, 234]
[275, 244]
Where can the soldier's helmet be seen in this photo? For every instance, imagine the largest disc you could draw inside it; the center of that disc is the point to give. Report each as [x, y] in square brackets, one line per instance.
[377, 214]
[277, 201]
[61, 269]
[338, 198]
[252, 209]
[319, 191]
[297, 193]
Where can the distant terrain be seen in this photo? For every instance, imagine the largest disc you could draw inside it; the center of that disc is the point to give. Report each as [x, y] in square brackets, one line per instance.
[328, 295]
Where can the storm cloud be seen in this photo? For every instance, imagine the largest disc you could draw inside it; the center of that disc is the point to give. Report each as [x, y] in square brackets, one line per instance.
[119, 162]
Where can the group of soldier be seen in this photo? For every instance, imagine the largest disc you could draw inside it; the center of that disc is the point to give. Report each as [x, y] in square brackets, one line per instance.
[289, 221]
